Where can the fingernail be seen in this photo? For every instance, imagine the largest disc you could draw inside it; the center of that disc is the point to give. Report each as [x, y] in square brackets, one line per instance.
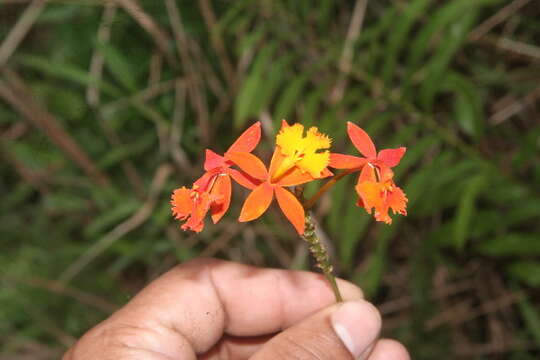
[357, 324]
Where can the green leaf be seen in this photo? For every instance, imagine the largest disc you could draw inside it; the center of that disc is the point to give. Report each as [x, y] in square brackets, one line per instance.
[273, 79]
[511, 244]
[439, 20]
[370, 280]
[312, 104]
[289, 98]
[468, 107]
[65, 102]
[56, 13]
[119, 66]
[249, 42]
[531, 316]
[111, 217]
[397, 38]
[528, 272]
[119, 153]
[244, 106]
[355, 223]
[466, 209]
[436, 67]
[20, 193]
[65, 203]
[67, 72]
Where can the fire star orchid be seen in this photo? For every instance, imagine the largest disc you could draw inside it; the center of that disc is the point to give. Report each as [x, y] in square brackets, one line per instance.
[212, 191]
[296, 160]
[375, 187]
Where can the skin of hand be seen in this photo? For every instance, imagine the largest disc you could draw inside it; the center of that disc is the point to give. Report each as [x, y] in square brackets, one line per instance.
[212, 309]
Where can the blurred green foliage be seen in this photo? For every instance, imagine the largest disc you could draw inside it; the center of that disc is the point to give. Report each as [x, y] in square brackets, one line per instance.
[140, 97]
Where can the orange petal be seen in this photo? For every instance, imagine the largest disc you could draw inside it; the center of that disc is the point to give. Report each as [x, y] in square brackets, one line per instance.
[292, 208]
[248, 140]
[361, 140]
[397, 201]
[200, 207]
[342, 161]
[257, 202]
[277, 159]
[181, 203]
[249, 163]
[222, 193]
[370, 192]
[391, 157]
[213, 160]
[372, 198]
[326, 173]
[296, 177]
[367, 174]
[244, 179]
[205, 180]
[385, 173]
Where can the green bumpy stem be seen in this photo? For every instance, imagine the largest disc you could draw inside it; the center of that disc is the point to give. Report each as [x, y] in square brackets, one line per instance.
[319, 252]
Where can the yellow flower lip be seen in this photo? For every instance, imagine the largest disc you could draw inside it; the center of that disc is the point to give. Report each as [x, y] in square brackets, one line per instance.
[301, 151]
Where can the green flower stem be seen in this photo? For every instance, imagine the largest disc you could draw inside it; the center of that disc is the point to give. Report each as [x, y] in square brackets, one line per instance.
[319, 252]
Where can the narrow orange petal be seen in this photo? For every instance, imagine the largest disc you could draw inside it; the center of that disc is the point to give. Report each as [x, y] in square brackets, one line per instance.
[361, 140]
[367, 174]
[342, 161]
[244, 179]
[326, 173]
[391, 157]
[277, 159]
[249, 163]
[222, 193]
[248, 140]
[257, 202]
[205, 180]
[385, 173]
[296, 177]
[292, 208]
[213, 160]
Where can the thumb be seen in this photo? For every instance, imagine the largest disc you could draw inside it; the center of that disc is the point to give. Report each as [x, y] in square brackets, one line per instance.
[341, 332]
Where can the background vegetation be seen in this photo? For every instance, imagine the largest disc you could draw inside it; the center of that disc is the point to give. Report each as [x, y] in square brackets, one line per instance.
[105, 107]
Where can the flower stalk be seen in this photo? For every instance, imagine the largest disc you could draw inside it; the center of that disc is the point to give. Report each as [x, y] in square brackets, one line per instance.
[320, 253]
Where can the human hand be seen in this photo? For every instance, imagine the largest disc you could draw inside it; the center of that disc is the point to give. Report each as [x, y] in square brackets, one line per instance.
[212, 309]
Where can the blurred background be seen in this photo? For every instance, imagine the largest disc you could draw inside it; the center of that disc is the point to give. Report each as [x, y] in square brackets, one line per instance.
[107, 106]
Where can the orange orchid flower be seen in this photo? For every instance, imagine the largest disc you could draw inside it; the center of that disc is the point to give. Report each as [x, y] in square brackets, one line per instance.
[296, 160]
[375, 186]
[212, 191]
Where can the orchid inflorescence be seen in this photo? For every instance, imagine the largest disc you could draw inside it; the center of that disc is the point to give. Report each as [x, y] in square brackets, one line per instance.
[299, 157]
